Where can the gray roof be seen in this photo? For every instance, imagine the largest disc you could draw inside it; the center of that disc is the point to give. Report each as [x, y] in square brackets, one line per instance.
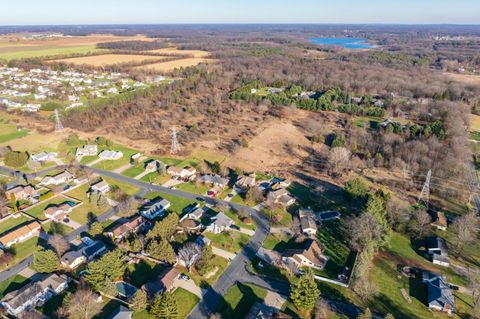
[222, 220]
[439, 292]
[122, 312]
[70, 256]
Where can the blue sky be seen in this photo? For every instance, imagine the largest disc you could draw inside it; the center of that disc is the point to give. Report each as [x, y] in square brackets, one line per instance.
[238, 11]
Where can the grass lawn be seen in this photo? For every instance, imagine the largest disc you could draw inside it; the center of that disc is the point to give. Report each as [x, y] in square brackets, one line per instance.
[201, 281]
[57, 228]
[82, 213]
[126, 187]
[143, 272]
[11, 223]
[9, 132]
[23, 250]
[113, 165]
[133, 171]
[37, 211]
[178, 203]
[13, 283]
[229, 241]
[155, 178]
[193, 188]
[88, 159]
[236, 219]
[239, 299]
[279, 216]
[186, 301]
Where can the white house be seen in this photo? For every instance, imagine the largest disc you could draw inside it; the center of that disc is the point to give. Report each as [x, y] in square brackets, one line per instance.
[100, 187]
[311, 255]
[307, 221]
[87, 150]
[73, 259]
[58, 179]
[220, 223]
[110, 155]
[181, 172]
[34, 294]
[59, 212]
[43, 156]
[155, 208]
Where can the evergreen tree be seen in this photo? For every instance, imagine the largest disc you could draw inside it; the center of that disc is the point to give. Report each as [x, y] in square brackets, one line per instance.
[356, 188]
[366, 314]
[165, 228]
[112, 266]
[304, 292]
[165, 306]
[162, 250]
[138, 302]
[46, 261]
[95, 229]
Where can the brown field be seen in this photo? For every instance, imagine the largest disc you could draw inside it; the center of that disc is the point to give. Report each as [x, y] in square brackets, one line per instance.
[172, 65]
[464, 78]
[108, 59]
[171, 51]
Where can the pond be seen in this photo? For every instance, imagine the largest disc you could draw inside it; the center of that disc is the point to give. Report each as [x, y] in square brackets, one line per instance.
[348, 43]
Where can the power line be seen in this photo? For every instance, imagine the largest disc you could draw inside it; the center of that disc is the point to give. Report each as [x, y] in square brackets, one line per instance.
[425, 193]
[175, 145]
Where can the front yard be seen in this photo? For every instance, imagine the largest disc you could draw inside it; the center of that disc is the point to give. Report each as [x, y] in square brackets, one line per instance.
[88, 210]
[230, 241]
[239, 299]
[178, 203]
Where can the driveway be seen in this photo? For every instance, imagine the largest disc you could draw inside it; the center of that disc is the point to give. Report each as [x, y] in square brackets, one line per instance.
[190, 286]
[223, 253]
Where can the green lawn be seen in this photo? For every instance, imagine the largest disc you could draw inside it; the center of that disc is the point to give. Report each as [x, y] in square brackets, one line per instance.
[9, 132]
[143, 272]
[57, 228]
[133, 171]
[48, 52]
[236, 219]
[88, 159]
[113, 165]
[37, 211]
[11, 223]
[88, 210]
[229, 241]
[126, 187]
[178, 203]
[23, 250]
[13, 283]
[239, 299]
[186, 301]
[201, 281]
[193, 188]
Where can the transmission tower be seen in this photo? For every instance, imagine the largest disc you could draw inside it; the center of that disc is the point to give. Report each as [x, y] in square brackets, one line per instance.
[175, 145]
[58, 124]
[425, 193]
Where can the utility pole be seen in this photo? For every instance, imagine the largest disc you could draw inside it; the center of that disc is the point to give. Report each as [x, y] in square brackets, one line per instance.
[425, 193]
[175, 145]
[58, 123]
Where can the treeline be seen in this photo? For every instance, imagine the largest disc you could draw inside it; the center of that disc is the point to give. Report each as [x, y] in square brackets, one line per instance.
[133, 45]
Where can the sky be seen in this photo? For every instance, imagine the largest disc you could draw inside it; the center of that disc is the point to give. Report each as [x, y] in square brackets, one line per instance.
[50, 12]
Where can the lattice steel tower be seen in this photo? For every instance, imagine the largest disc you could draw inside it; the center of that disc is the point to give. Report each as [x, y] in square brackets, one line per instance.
[425, 193]
[58, 123]
[175, 145]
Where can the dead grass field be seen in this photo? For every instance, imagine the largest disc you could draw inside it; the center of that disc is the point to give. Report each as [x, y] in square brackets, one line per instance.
[172, 65]
[170, 51]
[109, 59]
[464, 78]
[474, 123]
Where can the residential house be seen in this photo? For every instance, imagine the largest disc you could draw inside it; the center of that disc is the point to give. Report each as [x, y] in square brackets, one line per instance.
[281, 196]
[20, 234]
[307, 221]
[153, 166]
[87, 150]
[43, 156]
[155, 208]
[34, 294]
[440, 221]
[58, 179]
[135, 156]
[58, 212]
[94, 250]
[73, 259]
[196, 214]
[100, 187]
[439, 294]
[163, 283]
[219, 224]
[21, 192]
[190, 224]
[185, 172]
[277, 183]
[131, 226]
[214, 180]
[110, 155]
[437, 249]
[244, 182]
[311, 255]
[203, 241]
[121, 312]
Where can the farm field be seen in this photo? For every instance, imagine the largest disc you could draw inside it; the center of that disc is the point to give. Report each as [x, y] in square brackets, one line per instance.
[32, 52]
[173, 51]
[109, 59]
[10, 132]
[172, 65]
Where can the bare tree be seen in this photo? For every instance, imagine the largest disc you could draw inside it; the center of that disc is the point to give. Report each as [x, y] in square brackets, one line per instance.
[474, 284]
[189, 254]
[398, 212]
[363, 230]
[420, 224]
[339, 159]
[58, 243]
[466, 229]
[83, 305]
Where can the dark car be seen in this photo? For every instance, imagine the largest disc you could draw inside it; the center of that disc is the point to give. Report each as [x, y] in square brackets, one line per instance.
[234, 227]
[200, 199]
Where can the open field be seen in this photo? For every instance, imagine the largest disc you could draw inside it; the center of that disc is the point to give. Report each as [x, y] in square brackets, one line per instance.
[175, 51]
[471, 79]
[32, 52]
[109, 59]
[10, 132]
[474, 123]
[172, 65]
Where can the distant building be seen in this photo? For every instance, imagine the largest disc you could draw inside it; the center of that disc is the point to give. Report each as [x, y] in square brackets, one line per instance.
[440, 221]
[110, 155]
[34, 294]
[155, 208]
[439, 294]
[20, 234]
[214, 180]
[281, 196]
[311, 255]
[244, 182]
[181, 172]
[100, 187]
[87, 150]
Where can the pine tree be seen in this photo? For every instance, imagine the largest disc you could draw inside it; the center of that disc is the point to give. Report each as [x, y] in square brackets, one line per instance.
[304, 292]
[46, 261]
[165, 306]
[162, 250]
[95, 229]
[164, 228]
[138, 302]
[366, 314]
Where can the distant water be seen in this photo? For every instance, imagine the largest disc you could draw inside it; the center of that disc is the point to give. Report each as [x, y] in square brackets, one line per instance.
[348, 43]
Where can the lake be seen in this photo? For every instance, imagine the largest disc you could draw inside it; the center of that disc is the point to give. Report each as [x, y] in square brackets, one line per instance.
[348, 43]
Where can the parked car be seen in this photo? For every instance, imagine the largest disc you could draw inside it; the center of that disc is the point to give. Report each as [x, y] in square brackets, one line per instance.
[184, 277]
[200, 199]
[234, 227]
